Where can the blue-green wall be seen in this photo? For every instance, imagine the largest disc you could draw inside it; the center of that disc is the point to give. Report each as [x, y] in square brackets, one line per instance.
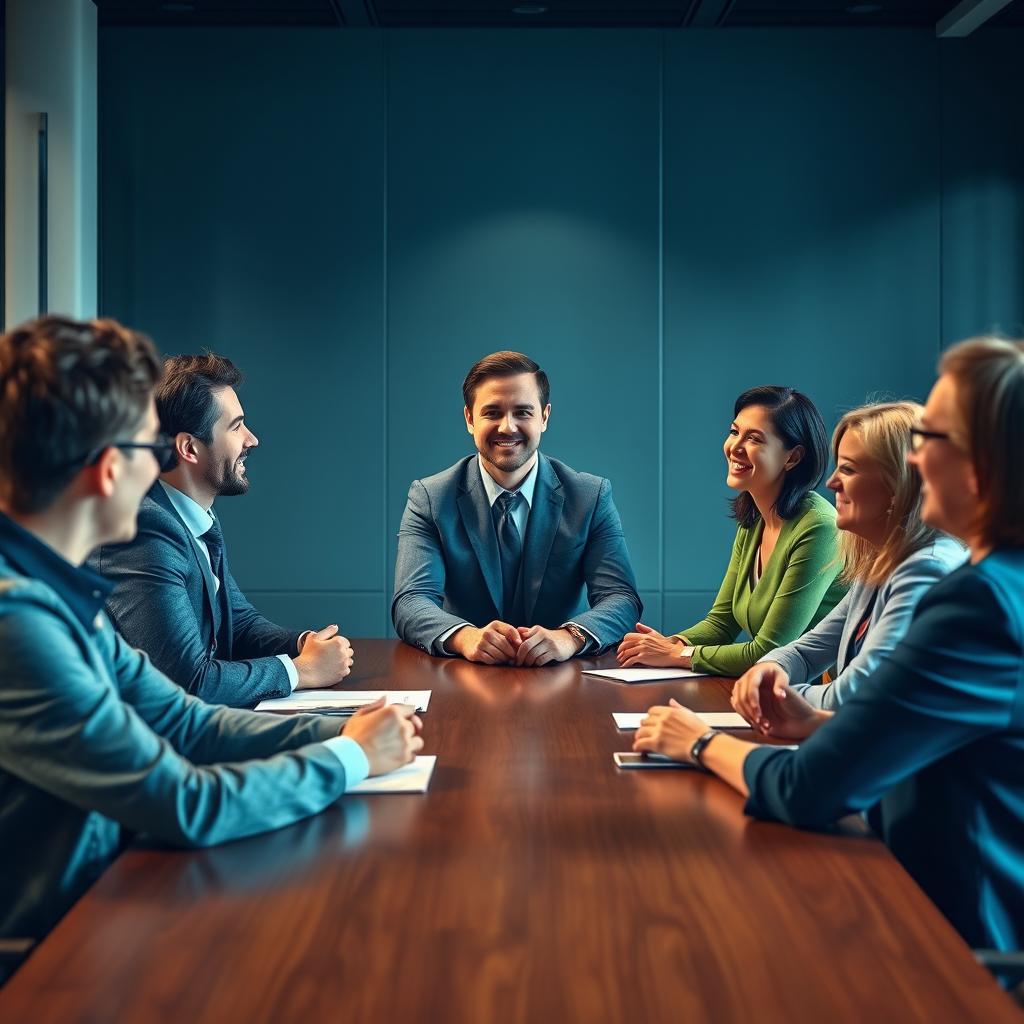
[660, 219]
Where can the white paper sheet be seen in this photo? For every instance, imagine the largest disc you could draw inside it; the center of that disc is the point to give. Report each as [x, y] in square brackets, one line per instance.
[410, 778]
[643, 675]
[310, 700]
[712, 719]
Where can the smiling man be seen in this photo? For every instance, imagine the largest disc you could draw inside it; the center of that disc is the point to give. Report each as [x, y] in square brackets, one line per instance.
[175, 597]
[510, 557]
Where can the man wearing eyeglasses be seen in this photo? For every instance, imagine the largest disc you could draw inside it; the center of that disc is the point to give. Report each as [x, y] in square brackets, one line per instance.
[175, 597]
[96, 743]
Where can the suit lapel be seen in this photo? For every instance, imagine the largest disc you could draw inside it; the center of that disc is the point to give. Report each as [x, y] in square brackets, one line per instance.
[159, 495]
[545, 515]
[476, 518]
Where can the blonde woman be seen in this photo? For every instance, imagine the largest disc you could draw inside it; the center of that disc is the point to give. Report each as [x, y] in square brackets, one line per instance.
[890, 559]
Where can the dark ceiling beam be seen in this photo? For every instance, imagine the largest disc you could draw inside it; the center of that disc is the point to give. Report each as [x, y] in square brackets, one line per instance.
[967, 16]
[709, 13]
[354, 13]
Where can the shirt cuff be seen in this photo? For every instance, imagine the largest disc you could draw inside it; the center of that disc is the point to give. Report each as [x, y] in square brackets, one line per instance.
[591, 641]
[439, 642]
[289, 667]
[352, 759]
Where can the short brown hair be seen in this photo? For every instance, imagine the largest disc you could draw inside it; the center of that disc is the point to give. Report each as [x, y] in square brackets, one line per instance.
[184, 399]
[503, 364]
[67, 387]
[884, 430]
[989, 377]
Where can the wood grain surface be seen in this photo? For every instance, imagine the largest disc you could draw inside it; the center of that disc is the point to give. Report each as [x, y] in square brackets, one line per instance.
[535, 882]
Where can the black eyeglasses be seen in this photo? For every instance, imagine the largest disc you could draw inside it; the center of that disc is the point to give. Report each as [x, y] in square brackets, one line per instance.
[918, 436]
[162, 448]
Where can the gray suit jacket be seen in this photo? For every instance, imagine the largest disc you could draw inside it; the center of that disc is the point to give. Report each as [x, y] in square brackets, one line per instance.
[449, 571]
[164, 603]
[830, 642]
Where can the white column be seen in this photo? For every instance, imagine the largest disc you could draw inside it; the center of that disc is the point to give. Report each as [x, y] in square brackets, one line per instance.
[51, 68]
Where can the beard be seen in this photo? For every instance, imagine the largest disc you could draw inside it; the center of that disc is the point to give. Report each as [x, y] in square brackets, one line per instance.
[228, 479]
[509, 460]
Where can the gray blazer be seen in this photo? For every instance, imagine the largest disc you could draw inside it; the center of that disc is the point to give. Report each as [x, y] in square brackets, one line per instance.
[95, 744]
[164, 603]
[831, 641]
[449, 571]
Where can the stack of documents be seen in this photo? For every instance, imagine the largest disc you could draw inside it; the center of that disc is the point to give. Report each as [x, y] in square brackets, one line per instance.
[342, 702]
[643, 675]
[712, 719]
[410, 778]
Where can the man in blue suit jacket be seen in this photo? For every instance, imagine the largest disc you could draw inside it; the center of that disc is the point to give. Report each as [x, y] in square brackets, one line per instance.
[495, 553]
[175, 597]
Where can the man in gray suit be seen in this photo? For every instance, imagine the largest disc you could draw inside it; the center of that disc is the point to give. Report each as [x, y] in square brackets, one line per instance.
[494, 553]
[95, 743]
[175, 597]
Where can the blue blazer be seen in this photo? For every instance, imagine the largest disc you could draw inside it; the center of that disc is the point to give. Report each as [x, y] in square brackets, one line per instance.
[96, 744]
[164, 602]
[933, 744]
[449, 571]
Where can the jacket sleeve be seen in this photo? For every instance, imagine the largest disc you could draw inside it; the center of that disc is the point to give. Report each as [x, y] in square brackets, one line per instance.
[615, 606]
[151, 608]
[417, 609]
[67, 730]
[811, 654]
[811, 568]
[952, 679]
[905, 588]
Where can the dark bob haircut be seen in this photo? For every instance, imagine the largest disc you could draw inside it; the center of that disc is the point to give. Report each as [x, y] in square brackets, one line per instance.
[797, 422]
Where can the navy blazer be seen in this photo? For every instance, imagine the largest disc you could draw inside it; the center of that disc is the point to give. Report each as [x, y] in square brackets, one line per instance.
[164, 603]
[449, 570]
[933, 743]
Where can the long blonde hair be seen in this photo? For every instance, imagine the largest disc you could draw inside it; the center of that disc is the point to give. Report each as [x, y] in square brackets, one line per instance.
[884, 430]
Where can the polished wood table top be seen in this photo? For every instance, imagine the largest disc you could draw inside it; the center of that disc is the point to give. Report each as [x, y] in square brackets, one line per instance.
[534, 882]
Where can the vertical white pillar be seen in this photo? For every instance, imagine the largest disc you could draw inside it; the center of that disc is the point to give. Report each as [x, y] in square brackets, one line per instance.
[51, 68]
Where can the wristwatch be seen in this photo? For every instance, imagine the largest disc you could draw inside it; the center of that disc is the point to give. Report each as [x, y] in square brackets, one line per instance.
[698, 748]
[577, 634]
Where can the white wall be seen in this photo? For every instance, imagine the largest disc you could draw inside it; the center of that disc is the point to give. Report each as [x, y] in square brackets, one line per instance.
[51, 68]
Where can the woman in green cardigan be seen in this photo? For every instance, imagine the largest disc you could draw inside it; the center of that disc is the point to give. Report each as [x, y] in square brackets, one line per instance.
[783, 574]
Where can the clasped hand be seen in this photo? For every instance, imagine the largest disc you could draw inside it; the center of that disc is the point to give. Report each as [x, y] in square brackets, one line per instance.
[499, 643]
[649, 647]
[763, 696]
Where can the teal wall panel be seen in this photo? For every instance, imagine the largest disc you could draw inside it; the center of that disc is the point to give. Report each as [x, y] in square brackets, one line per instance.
[242, 211]
[983, 185]
[801, 244]
[523, 213]
[661, 219]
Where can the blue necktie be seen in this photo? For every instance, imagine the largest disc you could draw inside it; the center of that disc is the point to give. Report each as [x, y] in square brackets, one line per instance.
[510, 546]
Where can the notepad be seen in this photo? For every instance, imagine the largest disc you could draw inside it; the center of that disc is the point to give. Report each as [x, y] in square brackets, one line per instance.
[643, 675]
[338, 702]
[712, 719]
[410, 778]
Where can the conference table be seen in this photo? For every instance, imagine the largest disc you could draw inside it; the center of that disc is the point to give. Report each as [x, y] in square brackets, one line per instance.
[534, 881]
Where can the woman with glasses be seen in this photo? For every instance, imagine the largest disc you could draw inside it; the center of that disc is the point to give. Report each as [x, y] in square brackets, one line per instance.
[890, 558]
[781, 577]
[933, 741]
